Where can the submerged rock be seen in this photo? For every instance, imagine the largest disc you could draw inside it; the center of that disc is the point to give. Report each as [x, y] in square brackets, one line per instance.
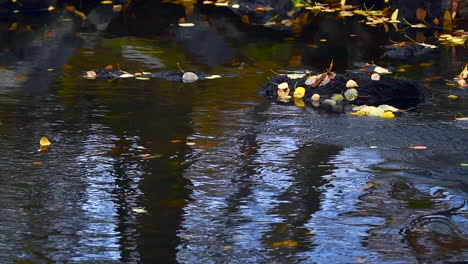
[407, 52]
[173, 76]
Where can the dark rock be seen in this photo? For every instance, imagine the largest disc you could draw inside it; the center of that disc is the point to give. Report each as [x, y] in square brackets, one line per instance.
[400, 93]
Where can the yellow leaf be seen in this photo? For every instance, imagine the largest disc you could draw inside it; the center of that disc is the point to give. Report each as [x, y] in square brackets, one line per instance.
[394, 16]
[419, 26]
[461, 118]
[44, 142]
[299, 92]
[447, 23]
[452, 96]
[315, 97]
[387, 114]
[106, 2]
[343, 2]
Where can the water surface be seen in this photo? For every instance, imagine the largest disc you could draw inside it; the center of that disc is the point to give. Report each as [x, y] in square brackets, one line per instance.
[258, 182]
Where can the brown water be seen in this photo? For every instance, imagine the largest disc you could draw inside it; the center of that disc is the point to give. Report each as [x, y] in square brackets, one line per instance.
[258, 173]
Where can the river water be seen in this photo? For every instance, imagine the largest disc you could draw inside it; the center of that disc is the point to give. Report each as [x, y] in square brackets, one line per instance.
[151, 171]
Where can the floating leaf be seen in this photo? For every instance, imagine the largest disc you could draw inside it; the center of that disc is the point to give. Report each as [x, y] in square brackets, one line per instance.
[418, 147]
[44, 145]
[44, 142]
[296, 76]
[461, 118]
[375, 77]
[142, 78]
[213, 77]
[418, 25]
[190, 143]
[186, 24]
[452, 96]
[139, 210]
[106, 2]
[150, 156]
[315, 97]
